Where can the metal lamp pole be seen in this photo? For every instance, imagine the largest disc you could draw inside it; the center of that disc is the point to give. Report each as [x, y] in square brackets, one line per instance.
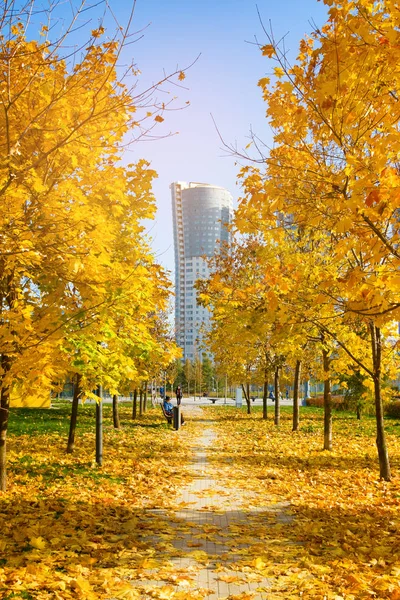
[226, 387]
[99, 427]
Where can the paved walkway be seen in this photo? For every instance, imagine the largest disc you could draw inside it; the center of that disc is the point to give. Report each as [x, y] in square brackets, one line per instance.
[206, 540]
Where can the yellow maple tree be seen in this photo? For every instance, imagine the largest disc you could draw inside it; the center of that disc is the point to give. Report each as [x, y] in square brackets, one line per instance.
[332, 172]
[68, 205]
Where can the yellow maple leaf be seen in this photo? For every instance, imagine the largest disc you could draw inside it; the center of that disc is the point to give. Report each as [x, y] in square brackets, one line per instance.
[263, 82]
[259, 563]
[98, 32]
[199, 555]
[230, 578]
[39, 543]
[194, 544]
[268, 50]
[127, 592]
[166, 592]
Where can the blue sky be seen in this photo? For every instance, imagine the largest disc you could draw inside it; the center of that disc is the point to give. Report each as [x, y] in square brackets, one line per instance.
[222, 82]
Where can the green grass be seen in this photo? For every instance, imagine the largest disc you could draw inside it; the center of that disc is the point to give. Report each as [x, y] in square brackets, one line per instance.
[34, 421]
[314, 417]
[51, 426]
[42, 421]
[52, 471]
[39, 421]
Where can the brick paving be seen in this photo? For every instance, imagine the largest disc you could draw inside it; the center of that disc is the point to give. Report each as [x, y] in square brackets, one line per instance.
[205, 541]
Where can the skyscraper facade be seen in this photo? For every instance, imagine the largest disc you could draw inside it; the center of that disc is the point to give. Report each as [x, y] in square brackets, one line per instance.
[201, 213]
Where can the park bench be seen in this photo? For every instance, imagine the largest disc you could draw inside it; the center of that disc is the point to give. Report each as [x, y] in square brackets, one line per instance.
[166, 415]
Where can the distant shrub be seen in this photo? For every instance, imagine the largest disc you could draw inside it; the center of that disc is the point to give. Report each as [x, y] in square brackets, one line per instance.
[357, 398]
[392, 409]
[309, 428]
[318, 401]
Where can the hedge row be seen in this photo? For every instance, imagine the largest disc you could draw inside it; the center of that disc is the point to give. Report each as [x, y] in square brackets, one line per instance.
[393, 409]
[337, 402]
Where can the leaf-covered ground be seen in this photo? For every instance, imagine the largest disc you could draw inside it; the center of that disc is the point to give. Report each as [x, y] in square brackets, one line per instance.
[69, 530]
[344, 539]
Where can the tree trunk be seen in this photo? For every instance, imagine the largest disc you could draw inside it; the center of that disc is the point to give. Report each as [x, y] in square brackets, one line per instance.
[277, 416]
[245, 389]
[74, 414]
[327, 402]
[140, 402]
[134, 404]
[145, 397]
[115, 407]
[296, 395]
[265, 395]
[384, 464]
[4, 413]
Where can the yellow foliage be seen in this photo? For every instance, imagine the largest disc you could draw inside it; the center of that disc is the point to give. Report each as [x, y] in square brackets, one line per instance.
[38, 399]
[81, 292]
[268, 50]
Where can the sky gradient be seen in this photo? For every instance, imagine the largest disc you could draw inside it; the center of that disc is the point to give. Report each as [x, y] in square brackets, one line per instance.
[221, 83]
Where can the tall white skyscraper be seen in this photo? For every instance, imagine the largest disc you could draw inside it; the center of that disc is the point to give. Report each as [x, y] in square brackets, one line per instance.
[200, 213]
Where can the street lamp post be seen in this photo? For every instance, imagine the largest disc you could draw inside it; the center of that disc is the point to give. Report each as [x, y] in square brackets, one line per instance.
[226, 387]
[99, 426]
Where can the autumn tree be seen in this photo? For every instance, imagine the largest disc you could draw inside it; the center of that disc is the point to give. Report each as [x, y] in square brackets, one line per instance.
[333, 167]
[245, 337]
[63, 122]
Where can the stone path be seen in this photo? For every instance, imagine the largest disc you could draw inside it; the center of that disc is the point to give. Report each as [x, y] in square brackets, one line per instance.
[207, 538]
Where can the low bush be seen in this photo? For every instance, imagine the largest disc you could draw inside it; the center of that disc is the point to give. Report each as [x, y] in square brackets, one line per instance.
[392, 409]
[318, 401]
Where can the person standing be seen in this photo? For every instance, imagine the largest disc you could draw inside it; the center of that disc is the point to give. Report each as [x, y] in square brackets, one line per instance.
[179, 395]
